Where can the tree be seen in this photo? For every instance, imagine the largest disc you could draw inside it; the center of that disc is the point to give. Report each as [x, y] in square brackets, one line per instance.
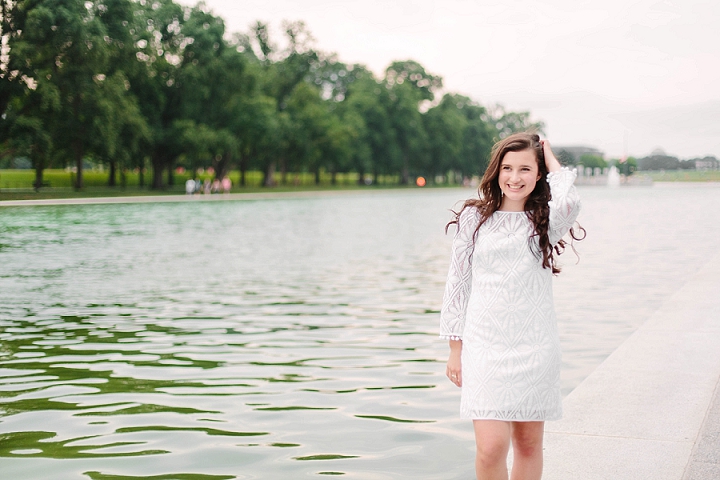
[409, 86]
[61, 50]
[197, 142]
[342, 148]
[592, 161]
[658, 160]
[507, 123]
[256, 125]
[124, 128]
[626, 166]
[121, 126]
[410, 71]
[309, 123]
[29, 136]
[410, 135]
[211, 75]
[13, 70]
[365, 106]
[284, 71]
[27, 116]
[565, 157]
[123, 81]
[478, 139]
[156, 32]
[445, 125]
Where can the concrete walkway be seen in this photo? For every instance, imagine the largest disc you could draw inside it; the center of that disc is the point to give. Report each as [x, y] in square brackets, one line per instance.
[651, 410]
[704, 463]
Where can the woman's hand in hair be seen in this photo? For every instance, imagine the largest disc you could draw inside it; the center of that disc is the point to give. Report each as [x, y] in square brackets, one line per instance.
[551, 162]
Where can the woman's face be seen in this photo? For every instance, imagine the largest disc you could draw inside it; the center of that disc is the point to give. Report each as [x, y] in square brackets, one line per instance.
[519, 173]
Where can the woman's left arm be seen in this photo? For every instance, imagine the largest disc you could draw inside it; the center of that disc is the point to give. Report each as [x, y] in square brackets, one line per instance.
[565, 203]
[551, 162]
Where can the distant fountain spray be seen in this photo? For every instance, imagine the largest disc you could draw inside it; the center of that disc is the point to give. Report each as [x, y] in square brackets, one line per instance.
[613, 177]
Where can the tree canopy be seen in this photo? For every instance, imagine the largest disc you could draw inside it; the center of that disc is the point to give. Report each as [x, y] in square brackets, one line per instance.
[135, 84]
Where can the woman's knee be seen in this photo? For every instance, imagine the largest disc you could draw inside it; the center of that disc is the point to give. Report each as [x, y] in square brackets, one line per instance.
[492, 439]
[527, 439]
[527, 448]
[492, 451]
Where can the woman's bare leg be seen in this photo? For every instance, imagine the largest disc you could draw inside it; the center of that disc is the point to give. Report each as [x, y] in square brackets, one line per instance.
[527, 441]
[492, 439]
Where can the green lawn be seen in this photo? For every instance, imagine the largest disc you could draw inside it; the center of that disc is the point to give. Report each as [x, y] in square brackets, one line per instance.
[56, 178]
[17, 184]
[684, 175]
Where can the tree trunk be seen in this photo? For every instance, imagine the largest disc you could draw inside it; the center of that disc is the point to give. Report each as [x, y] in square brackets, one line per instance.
[111, 178]
[317, 176]
[78, 148]
[269, 175]
[243, 169]
[333, 177]
[223, 168]
[376, 177]
[157, 166]
[123, 178]
[361, 177]
[283, 171]
[38, 175]
[171, 177]
[405, 173]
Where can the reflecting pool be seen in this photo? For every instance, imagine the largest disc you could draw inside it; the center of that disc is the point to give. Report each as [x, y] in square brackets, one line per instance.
[287, 338]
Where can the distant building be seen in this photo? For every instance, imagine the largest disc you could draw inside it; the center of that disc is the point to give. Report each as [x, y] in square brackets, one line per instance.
[707, 163]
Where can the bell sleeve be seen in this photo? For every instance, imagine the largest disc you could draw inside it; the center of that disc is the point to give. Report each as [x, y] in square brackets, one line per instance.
[565, 203]
[459, 279]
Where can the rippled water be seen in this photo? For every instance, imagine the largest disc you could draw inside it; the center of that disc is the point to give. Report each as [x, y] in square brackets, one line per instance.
[284, 338]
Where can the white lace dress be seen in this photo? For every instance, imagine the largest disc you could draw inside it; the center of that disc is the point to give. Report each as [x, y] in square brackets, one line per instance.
[498, 301]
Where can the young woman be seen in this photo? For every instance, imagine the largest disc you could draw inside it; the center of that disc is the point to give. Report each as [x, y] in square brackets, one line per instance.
[498, 309]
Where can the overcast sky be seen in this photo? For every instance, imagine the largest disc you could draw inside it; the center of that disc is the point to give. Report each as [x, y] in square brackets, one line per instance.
[618, 75]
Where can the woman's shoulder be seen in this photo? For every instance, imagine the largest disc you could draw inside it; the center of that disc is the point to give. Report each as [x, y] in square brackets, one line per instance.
[470, 212]
[467, 217]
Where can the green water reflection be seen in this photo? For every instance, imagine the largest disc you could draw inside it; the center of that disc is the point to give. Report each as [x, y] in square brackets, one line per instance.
[277, 339]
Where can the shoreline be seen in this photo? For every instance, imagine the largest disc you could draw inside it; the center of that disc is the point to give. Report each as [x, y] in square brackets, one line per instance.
[249, 196]
[274, 195]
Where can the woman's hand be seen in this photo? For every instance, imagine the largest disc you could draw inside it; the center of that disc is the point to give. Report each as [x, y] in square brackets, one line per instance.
[454, 367]
[551, 162]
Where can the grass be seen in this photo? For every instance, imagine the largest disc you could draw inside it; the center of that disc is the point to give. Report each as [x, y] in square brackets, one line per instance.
[684, 175]
[58, 178]
[17, 184]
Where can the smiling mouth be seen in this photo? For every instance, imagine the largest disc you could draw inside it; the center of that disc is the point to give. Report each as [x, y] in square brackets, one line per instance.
[515, 188]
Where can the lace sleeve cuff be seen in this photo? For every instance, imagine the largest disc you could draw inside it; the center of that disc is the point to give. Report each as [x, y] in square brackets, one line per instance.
[450, 337]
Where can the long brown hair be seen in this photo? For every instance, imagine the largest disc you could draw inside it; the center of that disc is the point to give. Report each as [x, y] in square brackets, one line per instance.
[536, 204]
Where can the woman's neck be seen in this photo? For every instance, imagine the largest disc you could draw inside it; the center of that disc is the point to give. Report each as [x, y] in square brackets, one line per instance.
[508, 205]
